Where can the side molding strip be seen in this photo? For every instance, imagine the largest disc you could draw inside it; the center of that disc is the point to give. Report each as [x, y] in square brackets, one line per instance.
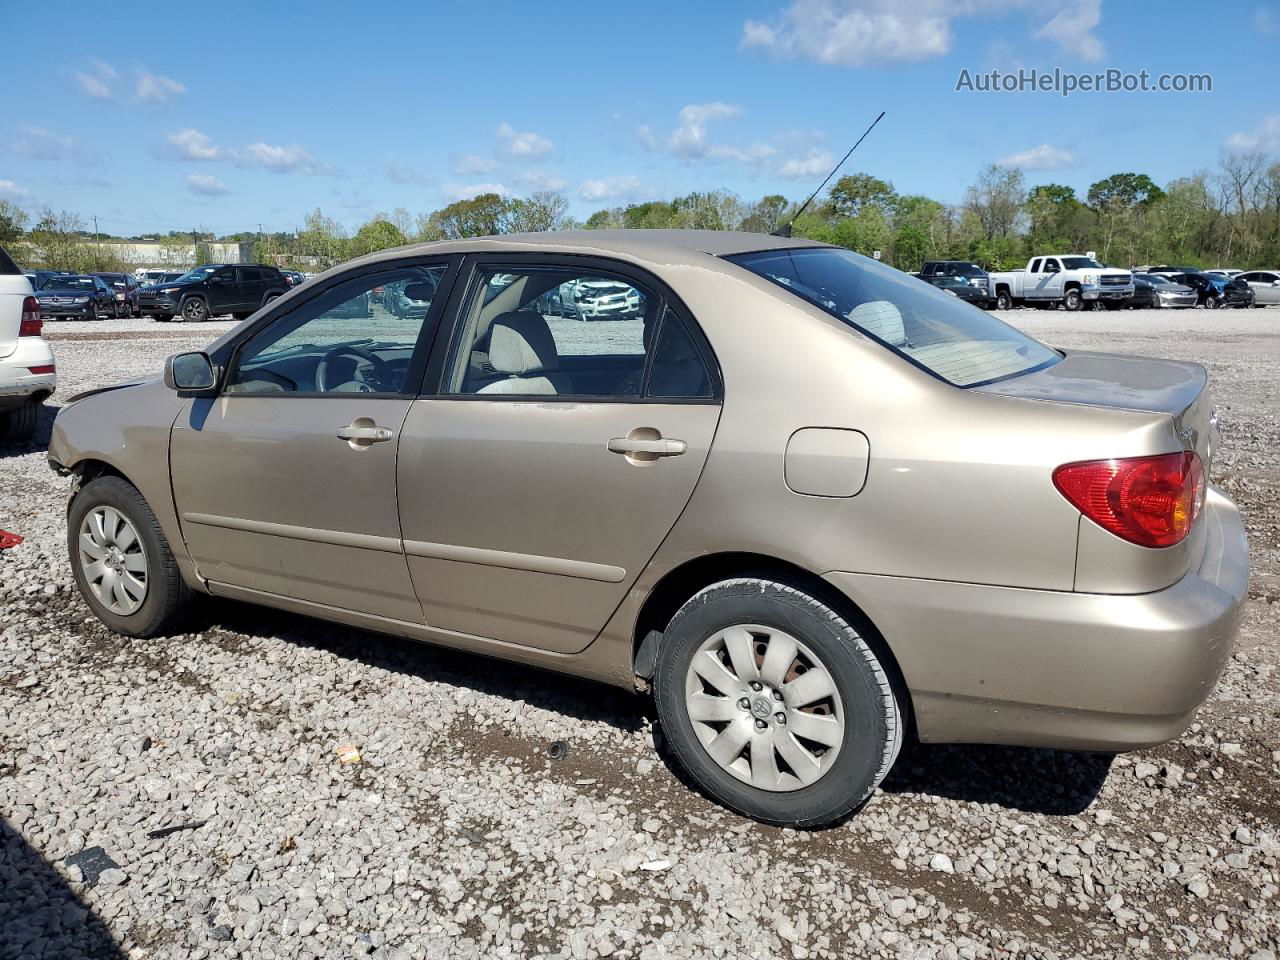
[516, 561]
[339, 538]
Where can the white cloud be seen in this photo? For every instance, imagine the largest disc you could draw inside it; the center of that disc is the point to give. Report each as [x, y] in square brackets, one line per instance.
[402, 173]
[470, 190]
[690, 138]
[754, 154]
[1264, 137]
[281, 159]
[102, 82]
[191, 144]
[206, 185]
[814, 163]
[1072, 29]
[11, 191]
[608, 188]
[857, 33]
[1043, 157]
[38, 143]
[517, 145]
[470, 164]
[542, 180]
[155, 88]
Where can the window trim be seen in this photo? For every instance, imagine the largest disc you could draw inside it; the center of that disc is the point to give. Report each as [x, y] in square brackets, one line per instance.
[449, 333]
[227, 358]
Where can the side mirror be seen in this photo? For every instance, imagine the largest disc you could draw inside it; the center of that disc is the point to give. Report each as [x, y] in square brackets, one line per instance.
[189, 371]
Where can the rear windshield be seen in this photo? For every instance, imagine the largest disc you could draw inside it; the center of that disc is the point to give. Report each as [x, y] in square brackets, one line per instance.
[7, 266]
[940, 333]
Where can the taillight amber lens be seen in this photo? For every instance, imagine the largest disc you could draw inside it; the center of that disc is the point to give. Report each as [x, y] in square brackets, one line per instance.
[1150, 501]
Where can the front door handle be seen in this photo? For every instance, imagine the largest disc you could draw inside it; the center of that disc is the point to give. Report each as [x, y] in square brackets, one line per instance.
[364, 432]
[647, 449]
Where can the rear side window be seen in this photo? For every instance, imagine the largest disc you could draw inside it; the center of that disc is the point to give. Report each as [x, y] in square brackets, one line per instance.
[7, 266]
[953, 340]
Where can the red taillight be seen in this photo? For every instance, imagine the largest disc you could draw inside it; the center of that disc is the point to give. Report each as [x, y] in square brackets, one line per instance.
[43, 368]
[31, 325]
[1150, 501]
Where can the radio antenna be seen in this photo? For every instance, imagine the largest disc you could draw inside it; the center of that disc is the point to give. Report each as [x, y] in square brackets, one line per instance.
[785, 229]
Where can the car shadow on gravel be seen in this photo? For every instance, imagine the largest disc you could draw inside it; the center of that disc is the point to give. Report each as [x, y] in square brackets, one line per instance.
[1055, 782]
[39, 913]
[569, 696]
[39, 442]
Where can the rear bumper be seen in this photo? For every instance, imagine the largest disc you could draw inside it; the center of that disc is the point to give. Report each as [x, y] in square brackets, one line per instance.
[17, 382]
[1069, 670]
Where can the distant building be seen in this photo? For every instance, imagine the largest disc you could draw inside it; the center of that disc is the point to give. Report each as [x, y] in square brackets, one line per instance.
[158, 253]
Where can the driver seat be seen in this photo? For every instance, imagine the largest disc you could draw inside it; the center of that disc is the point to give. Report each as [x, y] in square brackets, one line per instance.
[521, 348]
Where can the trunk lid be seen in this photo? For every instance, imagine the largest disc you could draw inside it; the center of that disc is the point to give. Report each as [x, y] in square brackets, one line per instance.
[1173, 387]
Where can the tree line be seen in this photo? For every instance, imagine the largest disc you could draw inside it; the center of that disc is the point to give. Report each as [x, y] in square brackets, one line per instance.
[1226, 217]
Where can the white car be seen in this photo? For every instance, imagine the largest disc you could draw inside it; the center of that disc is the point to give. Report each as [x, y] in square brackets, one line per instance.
[27, 372]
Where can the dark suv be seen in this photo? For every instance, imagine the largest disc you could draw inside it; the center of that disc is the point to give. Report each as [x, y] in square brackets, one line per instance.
[215, 289]
[938, 273]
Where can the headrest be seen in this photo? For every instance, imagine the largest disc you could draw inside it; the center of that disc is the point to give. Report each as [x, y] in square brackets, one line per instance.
[882, 319]
[420, 290]
[521, 343]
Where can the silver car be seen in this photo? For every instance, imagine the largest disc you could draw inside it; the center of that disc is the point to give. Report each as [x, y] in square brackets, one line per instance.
[809, 503]
[1168, 294]
[1265, 285]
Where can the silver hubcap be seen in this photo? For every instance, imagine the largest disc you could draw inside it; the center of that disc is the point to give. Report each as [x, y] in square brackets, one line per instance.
[113, 560]
[764, 707]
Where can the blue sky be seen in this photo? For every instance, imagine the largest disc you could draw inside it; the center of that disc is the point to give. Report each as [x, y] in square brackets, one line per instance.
[241, 115]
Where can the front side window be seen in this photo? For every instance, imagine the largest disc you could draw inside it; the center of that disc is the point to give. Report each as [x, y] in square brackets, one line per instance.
[951, 339]
[355, 337]
[564, 333]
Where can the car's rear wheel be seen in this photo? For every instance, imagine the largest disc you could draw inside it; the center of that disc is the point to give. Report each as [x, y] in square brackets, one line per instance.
[121, 560]
[1212, 303]
[19, 424]
[194, 310]
[775, 705]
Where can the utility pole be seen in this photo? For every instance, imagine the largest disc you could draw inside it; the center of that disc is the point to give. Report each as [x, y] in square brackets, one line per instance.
[97, 243]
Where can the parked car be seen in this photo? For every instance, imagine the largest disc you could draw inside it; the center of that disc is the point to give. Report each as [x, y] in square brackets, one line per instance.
[977, 535]
[126, 291]
[38, 277]
[1070, 280]
[71, 296]
[28, 375]
[148, 278]
[1144, 297]
[1167, 293]
[970, 273]
[1225, 272]
[1212, 291]
[213, 290]
[962, 288]
[293, 277]
[1265, 285]
[606, 299]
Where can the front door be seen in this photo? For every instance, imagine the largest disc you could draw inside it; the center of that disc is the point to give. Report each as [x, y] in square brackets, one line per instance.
[285, 483]
[557, 454]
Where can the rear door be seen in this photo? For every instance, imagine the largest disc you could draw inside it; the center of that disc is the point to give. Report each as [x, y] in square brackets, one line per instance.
[552, 454]
[14, 288]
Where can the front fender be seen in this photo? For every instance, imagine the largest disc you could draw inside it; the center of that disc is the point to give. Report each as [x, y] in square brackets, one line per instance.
[127, 430]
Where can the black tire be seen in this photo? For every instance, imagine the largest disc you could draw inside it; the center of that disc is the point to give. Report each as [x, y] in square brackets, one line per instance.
[93, 312]
[1212, 303]
[1004, 300]
[867, 700]
[194, 310]
[167, 593]
[1071, 300]
[19, 424]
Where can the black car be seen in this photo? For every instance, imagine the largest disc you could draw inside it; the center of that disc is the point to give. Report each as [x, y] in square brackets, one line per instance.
[966, 272]
[1212, 290]
[215, 289]
[1144, 296]
[68, 296]
[959, 287]
[126, 288]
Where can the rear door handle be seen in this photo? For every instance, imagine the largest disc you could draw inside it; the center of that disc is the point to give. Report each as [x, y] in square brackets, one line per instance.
[648, 448]
[364, 435]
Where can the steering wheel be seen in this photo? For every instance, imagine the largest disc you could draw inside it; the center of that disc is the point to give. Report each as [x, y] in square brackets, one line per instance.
[382, 371]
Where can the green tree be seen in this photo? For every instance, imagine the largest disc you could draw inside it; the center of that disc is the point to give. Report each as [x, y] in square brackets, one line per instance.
[378, 234]
[766, 215]
[479, 216]
[996, 199]
[854, 192]
[13, 223]
[540, 211]
[322, 239]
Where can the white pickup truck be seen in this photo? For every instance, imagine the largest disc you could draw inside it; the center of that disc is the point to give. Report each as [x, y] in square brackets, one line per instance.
[27, 373]
[1069, 279]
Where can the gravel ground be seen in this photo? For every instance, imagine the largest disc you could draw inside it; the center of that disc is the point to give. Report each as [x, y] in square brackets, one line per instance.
[204, 768]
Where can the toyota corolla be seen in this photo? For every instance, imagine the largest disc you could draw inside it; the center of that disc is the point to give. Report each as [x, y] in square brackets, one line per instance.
[811, 503]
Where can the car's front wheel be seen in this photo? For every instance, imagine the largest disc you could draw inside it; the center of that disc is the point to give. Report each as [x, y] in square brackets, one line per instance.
[1072, 300]
[194, 310]
[121, 560]
[775, 704]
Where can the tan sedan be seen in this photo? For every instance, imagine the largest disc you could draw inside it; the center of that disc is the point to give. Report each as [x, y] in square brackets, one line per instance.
[813, 503]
